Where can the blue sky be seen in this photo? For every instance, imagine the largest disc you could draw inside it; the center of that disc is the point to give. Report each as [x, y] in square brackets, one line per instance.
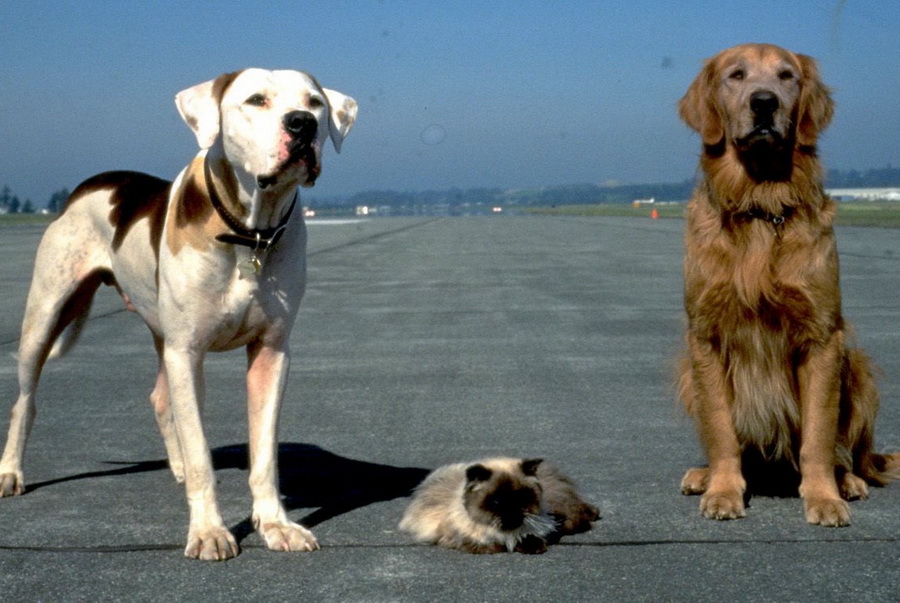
[452, 94]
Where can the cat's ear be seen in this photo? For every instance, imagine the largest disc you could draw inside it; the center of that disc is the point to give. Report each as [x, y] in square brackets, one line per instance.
[478, 473]
[529, 466]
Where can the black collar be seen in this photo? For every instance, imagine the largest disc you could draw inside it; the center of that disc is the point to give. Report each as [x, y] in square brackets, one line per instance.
[775, 220]
[260, 239]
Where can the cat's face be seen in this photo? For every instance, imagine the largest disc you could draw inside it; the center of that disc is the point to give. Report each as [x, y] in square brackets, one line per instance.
[502, 497]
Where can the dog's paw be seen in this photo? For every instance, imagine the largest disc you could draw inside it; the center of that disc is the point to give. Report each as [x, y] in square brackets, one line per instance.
[177, 472]
[12, 484]
[288, 537]
[211, 544]
[695, 480]
[828, 512]
[723, 505]
[853, 487]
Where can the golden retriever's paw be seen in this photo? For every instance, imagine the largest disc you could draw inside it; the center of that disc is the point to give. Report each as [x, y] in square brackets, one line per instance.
[211, 544]
[12, 484]
[695, 481]
[853, 487]
[288, 537]
[723, 505]
[828, 512]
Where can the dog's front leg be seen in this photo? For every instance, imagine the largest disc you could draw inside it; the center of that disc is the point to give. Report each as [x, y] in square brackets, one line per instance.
[819, 377]
[208, 538]
[266, 378]
[724, 495]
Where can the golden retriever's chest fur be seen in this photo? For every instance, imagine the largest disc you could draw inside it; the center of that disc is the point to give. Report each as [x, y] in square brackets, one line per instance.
[744, 274]
[754, 293]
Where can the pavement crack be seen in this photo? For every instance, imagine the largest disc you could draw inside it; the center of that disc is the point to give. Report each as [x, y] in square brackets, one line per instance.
[149, 548]
[372, 237]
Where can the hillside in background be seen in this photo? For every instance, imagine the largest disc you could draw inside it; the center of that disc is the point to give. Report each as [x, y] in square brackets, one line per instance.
[453, 199]
[573, 194]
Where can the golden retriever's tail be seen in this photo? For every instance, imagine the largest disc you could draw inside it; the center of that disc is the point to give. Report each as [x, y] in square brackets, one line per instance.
[886, 467]
[861, 400]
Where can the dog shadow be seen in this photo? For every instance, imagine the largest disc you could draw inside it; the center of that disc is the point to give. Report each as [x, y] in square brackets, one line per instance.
[772, 479]
[309, 478]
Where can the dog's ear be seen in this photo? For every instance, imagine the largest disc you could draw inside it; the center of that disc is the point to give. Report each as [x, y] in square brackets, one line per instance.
[343, 116]
[699, 108]
[199, 107]
[815, 107]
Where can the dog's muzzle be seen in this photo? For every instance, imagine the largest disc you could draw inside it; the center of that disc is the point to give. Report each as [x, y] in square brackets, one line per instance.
[763, 105]
[302, 128]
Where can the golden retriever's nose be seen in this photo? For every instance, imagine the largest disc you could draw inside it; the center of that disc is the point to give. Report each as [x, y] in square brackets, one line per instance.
[763, 103]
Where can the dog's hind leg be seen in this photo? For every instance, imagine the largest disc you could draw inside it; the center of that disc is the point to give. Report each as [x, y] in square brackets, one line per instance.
[61, 294]
[163, 411]
[859, 462]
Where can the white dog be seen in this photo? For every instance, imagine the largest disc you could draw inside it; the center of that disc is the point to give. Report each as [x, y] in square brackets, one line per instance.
[213, 261]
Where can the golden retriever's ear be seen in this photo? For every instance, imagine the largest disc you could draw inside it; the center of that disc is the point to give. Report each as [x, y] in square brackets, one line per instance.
[815, 108]
[699, 107]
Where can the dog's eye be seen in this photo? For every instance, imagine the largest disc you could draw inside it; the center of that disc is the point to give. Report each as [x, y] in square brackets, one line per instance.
[316, 103]
[785, 75]
[257, 100]
[737, 74]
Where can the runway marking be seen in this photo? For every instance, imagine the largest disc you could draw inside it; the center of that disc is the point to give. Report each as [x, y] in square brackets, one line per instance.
[334, 221]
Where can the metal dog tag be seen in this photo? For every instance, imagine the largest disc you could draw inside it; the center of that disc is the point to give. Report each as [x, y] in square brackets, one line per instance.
[250, 266]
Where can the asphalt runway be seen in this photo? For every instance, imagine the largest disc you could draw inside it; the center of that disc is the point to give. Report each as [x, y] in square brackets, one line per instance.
[422, 342]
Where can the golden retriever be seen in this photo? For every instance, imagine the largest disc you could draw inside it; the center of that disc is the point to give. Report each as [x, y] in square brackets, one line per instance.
[769, 375]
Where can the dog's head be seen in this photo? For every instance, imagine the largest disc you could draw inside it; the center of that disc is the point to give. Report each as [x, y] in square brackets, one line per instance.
[271, 125]
[758, 97]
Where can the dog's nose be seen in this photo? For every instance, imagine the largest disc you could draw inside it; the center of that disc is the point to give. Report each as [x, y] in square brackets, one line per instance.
[763, 102]
[301, 125]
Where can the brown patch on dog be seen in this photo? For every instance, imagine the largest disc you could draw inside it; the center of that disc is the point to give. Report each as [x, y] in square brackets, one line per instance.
[222, 83]
[769, 370]
[193, 221]
[134, 196]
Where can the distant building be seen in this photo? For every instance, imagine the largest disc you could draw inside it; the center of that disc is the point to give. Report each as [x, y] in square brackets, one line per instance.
[865, 194]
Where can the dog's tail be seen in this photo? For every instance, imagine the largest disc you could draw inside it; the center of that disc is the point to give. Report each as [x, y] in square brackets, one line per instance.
[74, 314]
[860, 407]
[69, 336]
[887, 466]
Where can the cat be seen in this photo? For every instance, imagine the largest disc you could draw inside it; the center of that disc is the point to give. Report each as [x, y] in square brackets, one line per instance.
[497, 505]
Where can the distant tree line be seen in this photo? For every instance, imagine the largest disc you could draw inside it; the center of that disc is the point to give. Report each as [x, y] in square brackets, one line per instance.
[872, 178]
[575, 194]
[570, 194]
[12, 204]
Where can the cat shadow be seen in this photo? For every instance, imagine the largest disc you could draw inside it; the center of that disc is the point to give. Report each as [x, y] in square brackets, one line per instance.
[309, 478]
